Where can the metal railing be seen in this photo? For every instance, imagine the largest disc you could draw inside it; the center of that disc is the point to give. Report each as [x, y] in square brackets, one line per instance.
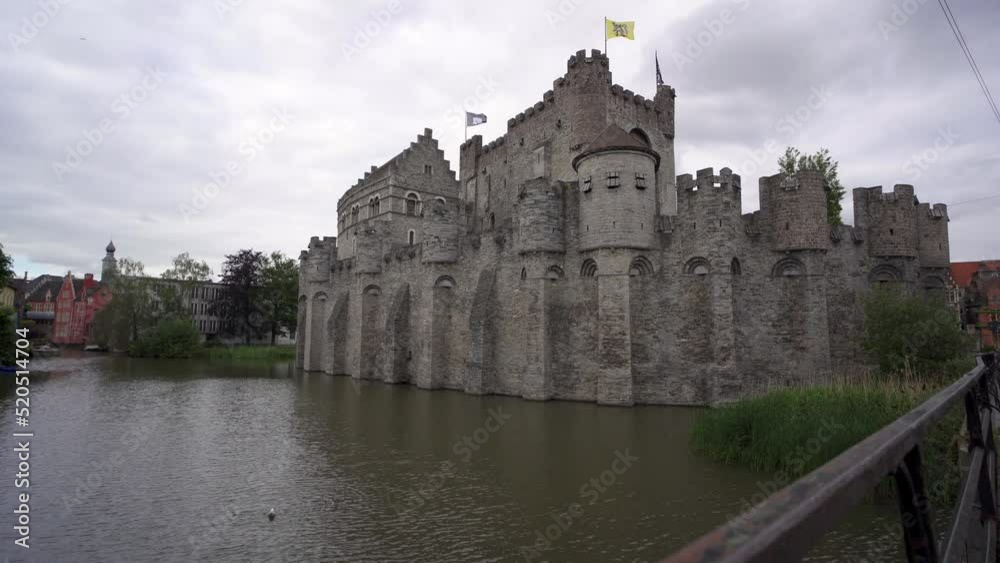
[786, 525]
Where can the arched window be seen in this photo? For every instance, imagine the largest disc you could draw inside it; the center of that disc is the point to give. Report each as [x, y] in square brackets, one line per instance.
[641, 266]
[554, 273]
[735, 268]
[789, 268]
[411, 237]
[446, 282]
[412, 203]
[641, 136]
[697, 266]
[376, 206]
[524, 273]
[588, 269]
[493, 221]
[354, 213]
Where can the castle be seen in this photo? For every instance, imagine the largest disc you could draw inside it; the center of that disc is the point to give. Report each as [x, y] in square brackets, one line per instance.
[567, 261]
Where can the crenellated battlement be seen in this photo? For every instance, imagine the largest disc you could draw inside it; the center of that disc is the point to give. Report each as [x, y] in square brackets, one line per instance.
[706, 179]
[580, 58]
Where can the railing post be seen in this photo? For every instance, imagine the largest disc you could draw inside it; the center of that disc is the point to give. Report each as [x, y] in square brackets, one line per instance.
[915, 510]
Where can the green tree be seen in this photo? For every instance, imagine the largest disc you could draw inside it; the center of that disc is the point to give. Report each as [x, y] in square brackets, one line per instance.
[793, 161]
[6, 268]
[238, 306]
[132, 310]
[903, 331]
[185, 275]
[8, 337]
[279, 294]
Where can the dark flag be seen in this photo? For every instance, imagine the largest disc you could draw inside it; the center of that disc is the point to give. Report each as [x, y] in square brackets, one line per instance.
[659, 77]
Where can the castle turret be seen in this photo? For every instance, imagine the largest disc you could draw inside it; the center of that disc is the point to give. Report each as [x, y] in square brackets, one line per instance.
[932, 235]
[709, 219]
[889, 220]
[617, 177]
[794, 211]
[585, 90]
[440, 233]
[315, 263]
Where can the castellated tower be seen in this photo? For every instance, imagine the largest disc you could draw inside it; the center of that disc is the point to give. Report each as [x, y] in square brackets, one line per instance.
[317, 260]
[440, 233]
[889, 220]
[932, 233]
[709, 216]
[794, 211]
[586, 90]
[617, 177]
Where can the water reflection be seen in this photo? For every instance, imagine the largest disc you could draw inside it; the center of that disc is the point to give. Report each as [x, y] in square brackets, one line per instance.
[359, 471]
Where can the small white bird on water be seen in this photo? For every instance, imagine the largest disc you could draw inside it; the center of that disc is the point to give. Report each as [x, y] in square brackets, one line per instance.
[271, 515]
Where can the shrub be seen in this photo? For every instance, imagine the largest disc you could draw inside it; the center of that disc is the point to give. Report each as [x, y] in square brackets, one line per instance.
[908, 333]
[172, 338]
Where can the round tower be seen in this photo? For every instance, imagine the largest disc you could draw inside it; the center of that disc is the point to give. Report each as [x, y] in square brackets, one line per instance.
[889, 220]
[794, 210]
[617, 178]
[585, 90]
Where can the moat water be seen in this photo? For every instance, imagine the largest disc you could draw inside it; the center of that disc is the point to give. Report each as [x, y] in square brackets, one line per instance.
[144, 460]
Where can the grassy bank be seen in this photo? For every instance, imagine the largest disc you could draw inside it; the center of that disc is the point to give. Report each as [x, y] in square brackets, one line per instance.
[792, 431]
[247, 353]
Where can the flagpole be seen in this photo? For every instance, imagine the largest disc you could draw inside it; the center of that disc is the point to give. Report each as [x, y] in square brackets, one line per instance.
[605, 35]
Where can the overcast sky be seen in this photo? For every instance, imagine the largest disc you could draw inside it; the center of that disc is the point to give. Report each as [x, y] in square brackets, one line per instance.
[117, 115]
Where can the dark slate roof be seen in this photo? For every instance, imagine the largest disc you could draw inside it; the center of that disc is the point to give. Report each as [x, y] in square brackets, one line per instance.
[39, 293]
[615, 138]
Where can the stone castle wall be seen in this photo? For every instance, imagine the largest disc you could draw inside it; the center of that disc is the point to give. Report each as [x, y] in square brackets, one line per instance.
[532, 274]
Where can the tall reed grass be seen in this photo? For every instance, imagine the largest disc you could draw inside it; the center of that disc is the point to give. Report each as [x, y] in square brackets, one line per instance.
[795, 430]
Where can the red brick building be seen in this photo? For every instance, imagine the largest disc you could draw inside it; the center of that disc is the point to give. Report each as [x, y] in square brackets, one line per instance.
[64, 309]
[75, 307]
[979, 283]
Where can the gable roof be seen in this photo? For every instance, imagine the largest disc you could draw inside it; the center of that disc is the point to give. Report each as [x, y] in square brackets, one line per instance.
[962, 272]
[39, 292]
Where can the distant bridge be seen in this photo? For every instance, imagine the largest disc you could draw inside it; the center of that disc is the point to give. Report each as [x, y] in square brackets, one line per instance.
[790, 522]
